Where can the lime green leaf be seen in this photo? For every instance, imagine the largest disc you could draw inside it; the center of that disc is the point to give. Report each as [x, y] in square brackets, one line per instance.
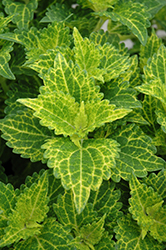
[47, 60]
[105, 201]
[68, 78]
[81, 169]
[53, 236]
[97, 5]
[159, 226]
[157, 182]
[24, 12]
[155, 80]
[149, 105]
[4, 58]
[148, 205]
[56, 111]
[4, 21]
[134, 15]
[106, 243]
[81, 119]
[37, 42]
[153, 5]
[54, 187]
[133, 72]
[58, 13]
[100, 38]
[128, 234]
[136, 155]
[90, 234]
[159, 141]
[112, 61]
[161, 117]
[27, 87]
[136, 116]
[151, 47]
[31, 209]
[24, 133]
[87, 56]
[119, 93]
[67, 214]
[60, 112]
[7, 203]
[100, 112]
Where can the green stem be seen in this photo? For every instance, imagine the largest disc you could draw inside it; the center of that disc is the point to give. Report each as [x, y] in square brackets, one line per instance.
[3, 84]
[99, 24]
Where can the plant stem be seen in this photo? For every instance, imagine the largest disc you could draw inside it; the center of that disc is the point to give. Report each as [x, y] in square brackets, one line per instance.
[99, 24]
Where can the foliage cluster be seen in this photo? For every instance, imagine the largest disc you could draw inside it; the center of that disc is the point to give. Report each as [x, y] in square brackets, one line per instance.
[83, 125]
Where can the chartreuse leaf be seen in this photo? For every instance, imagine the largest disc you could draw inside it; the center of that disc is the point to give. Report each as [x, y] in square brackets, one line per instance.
[101, 112]
[118, 92]
[136, 155]
[5, 49]
[53, 236]
[27, 87]
[56, 111]
[37, 42]
[7, 203]
[161, 117]
[112, 61]
[60, 112]
[154, 72]
[24, 133]
[148, 206]
[57, 12]
[67, 214]
[106, 243]
[90, 234]
[87, 56]
[128, 234]
[30, 210]
[134, 15]
[102, 62]
[24, 12]
[4, 21]
[153, 5]
[133, 72]
[136, 116]
[100, 38]
[105, 201]
[157, 182]
[149, 105]
[81, 169]
[97, 5]
[68, 78]
[151, 47]
[48, 60]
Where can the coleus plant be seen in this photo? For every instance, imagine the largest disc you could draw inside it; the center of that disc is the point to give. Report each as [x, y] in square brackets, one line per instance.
[89, 116]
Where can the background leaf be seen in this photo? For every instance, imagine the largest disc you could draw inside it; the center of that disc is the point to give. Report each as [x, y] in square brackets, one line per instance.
[30, 210]
[147, 200]
[24, 12]
[137, 154]
[53, 236]
[134, 15]
[24, 134]
[128, 235]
